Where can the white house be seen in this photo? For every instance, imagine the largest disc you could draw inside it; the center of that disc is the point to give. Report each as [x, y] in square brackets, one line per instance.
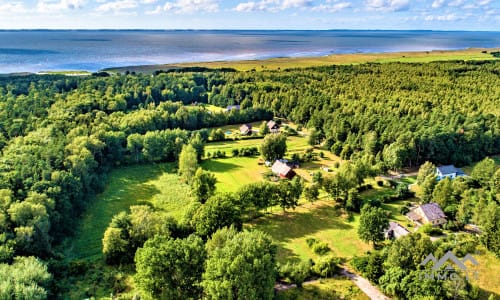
[449, 171]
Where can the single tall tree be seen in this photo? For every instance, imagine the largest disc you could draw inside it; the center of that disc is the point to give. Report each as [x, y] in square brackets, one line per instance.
[203, 185]
[188, 162]
[273, 147]
[171, 268]
[372, 223]
[239, 266]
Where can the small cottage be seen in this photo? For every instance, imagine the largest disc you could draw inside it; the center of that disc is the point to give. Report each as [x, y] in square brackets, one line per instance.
[246, 129]
[429, 213]
[282, 170]
[449, 171]
[273, 126]
[395, 230]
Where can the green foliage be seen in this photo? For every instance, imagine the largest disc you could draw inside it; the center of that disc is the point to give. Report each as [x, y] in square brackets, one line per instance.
[372, 223]
[273, 147]
[431, 230]
[263, 129]
[203, 185]
[491, 227]
[296, 272]
[325, 266]
[311, 192]
[240, 266]
[483, 171]
[171, 268]
[426, 169]
[188, 162]
[218, 212]
[26, 278]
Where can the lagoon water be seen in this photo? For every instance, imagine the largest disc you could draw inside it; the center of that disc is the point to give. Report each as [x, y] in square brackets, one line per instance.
[92, 50]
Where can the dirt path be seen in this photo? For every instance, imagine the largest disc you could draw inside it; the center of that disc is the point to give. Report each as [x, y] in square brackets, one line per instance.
[369, 289]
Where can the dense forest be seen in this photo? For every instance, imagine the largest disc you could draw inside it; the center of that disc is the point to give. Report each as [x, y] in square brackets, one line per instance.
[59, 135]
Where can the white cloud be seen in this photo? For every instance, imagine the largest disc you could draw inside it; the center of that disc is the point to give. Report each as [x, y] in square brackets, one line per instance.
[8, 8]
[156, 11]
[333, 8]
[191, 6]
[456, 3]
[115, 6]
[388, 5]
[45, 6]
[438, 3]
[483, 2]
[149, 1]
[296, 4]
[250, 7]
[448, 17]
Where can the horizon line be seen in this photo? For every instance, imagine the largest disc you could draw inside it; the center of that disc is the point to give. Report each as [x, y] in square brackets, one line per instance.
[237, 29]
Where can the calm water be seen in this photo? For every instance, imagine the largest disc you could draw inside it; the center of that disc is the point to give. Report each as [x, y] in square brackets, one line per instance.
[33, 51]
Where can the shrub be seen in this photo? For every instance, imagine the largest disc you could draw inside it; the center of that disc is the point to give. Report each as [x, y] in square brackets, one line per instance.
[325, 266]
[431, 230]
[311, 241]
[235, 152]
[295, 272]
[359, 263]
[321, 248]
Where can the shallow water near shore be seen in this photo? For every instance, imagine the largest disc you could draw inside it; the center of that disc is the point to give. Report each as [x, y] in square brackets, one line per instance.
[92, 50]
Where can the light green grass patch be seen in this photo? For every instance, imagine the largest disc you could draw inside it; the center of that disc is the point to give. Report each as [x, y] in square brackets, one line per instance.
[154, 184]
[234, 172]
[339, 287]
[320, 220]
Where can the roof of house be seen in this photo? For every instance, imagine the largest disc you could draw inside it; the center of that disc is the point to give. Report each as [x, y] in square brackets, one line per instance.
[245, 128]
[280, 168]
[449, 169]
[271, 124]
[397, 229]
[432, 211]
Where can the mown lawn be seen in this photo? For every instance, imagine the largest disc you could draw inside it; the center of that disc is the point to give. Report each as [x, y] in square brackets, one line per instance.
[234, 172]
[320, 220]
[155, 184]
[339, 287]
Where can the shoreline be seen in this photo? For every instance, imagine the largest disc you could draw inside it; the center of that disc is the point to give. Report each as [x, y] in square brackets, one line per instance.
[277, 63]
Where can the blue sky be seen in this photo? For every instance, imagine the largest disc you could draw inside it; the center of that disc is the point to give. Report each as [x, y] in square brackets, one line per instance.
[252, 14]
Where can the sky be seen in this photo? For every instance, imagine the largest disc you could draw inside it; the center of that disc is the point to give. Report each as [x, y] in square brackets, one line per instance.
[251, 14]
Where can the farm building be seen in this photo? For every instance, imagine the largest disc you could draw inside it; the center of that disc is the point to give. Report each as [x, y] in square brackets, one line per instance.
[449, 171]
[246, 129]
[273, 126]
[282, 170]
[395, 230]
[427, 213]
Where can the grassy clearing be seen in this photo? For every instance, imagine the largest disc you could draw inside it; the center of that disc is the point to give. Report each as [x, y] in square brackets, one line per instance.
[320, 220]
[156, 184]
[234, 172]
[325, 289]
[487, 271]
[335, 59]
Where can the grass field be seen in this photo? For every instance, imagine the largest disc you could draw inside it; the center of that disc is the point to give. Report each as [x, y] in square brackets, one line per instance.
[336, 59]
[320, 220]
[339, 287]
[234, 172]
[155, 184]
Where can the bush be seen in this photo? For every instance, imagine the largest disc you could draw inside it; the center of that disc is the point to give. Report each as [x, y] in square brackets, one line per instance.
[311, 241]
[235, 152]
[321, 248]
[325, 266]
[359, 263]
[431, 230]
[295, 272]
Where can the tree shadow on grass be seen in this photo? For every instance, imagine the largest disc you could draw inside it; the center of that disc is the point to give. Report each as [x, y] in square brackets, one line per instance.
[219, 166]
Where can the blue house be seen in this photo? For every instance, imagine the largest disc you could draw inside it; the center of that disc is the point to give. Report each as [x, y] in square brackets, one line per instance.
[449, 171]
